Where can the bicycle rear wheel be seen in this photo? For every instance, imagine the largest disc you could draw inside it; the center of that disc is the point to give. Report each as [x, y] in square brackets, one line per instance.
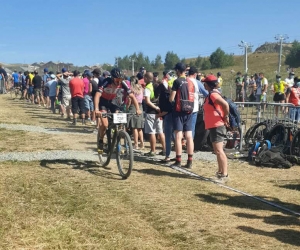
[256, 133]
[124, 154]
[105, 154]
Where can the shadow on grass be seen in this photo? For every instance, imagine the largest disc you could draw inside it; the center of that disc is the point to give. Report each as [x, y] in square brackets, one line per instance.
[157, 172]
[281, 220]
[287, 236]
[295, 187]
[88, 166]
[246, 202]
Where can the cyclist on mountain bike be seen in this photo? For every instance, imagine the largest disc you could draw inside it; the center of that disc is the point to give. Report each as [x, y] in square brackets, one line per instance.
[110, 96]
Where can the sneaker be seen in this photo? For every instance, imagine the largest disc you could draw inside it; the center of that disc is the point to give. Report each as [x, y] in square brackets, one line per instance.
[218, 174]
[188, 165]
[176, 164]
[163, 153]
[222, 179]
[151, 154]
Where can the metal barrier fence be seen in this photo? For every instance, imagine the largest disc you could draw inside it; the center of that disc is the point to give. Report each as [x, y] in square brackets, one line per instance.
[253, 113]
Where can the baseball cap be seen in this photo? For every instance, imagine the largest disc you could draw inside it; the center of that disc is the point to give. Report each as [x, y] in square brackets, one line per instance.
[96, 71]
[106, 73]
[180, 66]
[193, 70]
[210, 78]
[45, 70]
[278, 76]
[52, 76]
[64, 70]
[142, 68]
[219, 74]
[89, 74]
[292, 73]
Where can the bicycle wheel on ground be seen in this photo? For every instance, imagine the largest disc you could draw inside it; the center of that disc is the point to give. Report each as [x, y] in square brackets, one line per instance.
[295, 146]
[124, 154]
[256, 133]
[105, 154]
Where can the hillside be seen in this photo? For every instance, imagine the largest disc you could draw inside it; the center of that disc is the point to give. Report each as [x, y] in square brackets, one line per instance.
[257, 62]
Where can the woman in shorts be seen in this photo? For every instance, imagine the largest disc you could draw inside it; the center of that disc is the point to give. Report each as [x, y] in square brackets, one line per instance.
[136, 122]
[216, 119]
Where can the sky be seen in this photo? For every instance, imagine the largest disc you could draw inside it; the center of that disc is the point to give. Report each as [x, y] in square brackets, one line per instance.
[87, 32]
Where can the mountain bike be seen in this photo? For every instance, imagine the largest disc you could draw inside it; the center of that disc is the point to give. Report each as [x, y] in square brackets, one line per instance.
[118, 141]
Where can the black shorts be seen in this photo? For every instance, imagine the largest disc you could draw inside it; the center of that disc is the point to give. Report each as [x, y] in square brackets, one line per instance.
[77, 103]
[105, 105]
[278, 97]
[217, 134]
[182, 121]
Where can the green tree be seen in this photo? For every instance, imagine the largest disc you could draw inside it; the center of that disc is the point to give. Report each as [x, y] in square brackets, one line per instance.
[293, 58]
[157, 63]
[198, 62]
[206, 65]
[219, 59]
[170, 60]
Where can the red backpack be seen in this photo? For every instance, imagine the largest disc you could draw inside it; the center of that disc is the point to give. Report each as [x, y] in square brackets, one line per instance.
[185, 97]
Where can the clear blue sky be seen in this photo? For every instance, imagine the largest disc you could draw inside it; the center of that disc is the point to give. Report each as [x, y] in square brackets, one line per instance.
[96, 31]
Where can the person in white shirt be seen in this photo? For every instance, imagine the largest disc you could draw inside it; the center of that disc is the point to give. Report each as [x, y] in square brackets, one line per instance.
[264, 87]
[192, 74]
[290, 79]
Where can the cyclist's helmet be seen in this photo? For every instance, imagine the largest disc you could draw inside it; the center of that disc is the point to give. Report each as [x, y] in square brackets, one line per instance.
[116, 73]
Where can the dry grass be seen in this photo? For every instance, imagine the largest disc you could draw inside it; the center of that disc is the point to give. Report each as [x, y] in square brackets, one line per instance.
[74, 205]
[64, 205]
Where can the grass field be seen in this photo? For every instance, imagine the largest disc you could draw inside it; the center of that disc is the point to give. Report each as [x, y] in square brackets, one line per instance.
[69, 204]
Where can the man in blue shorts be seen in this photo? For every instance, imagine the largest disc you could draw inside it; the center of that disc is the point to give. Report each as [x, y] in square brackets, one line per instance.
[183, 91]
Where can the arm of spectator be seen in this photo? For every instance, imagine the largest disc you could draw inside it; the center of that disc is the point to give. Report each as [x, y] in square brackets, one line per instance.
[172, 95]
[202, 89]
[150, 104]
[225, 107]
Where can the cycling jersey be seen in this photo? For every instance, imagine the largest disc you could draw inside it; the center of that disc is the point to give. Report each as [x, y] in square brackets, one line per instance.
[279, 87]
[112, 93]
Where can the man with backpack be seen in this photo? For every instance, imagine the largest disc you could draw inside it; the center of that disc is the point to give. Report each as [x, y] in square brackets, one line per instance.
[182, 93]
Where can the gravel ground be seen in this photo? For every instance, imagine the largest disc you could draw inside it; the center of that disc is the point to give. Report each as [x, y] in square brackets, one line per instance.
[72, 154]
[37, 129]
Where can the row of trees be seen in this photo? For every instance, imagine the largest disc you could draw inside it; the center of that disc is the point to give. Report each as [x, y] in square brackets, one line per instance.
[218, 59]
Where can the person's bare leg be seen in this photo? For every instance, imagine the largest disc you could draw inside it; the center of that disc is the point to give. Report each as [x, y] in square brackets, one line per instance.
[221, 157]
[152, 142]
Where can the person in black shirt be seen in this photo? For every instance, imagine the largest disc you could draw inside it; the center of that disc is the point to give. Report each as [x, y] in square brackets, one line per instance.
[37, 88]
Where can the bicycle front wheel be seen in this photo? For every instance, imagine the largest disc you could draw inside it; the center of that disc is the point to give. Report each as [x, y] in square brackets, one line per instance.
[124, 154]
[105, 153]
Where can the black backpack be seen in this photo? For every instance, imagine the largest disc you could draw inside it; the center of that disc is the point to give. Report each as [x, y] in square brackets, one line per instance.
[271, 158]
